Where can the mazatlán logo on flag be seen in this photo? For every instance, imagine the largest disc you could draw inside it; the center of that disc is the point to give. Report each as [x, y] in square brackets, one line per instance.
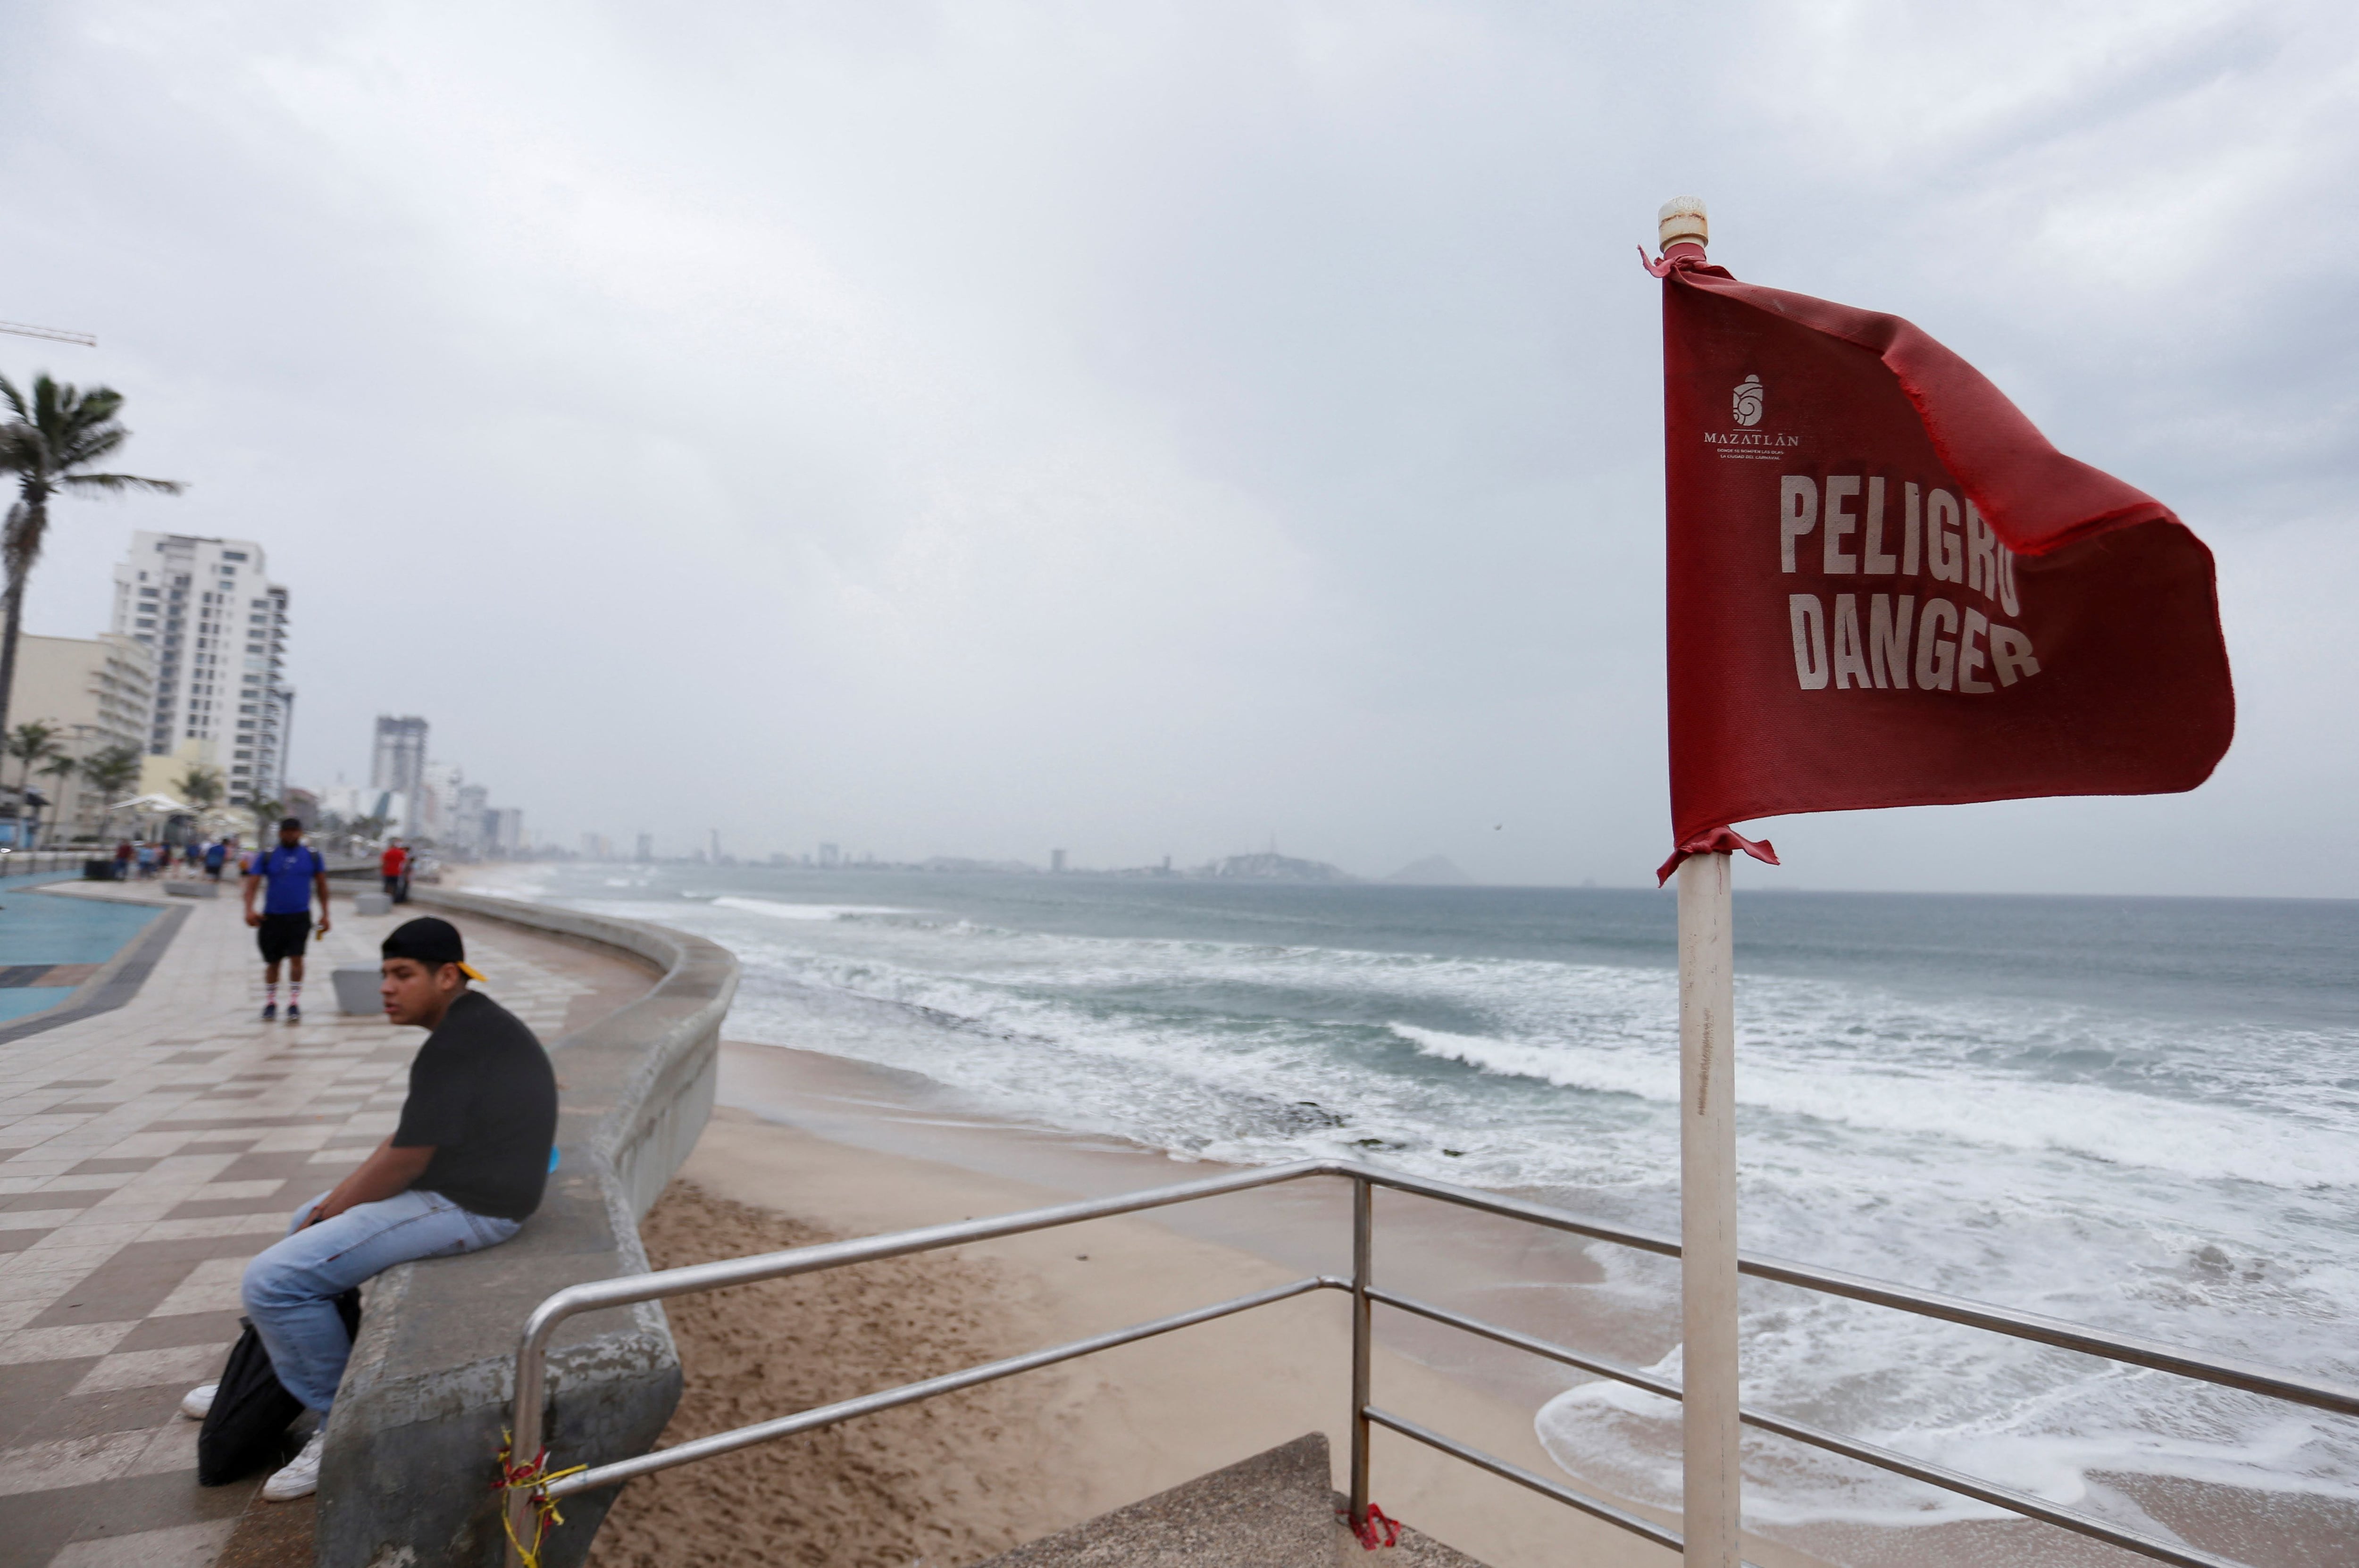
[1747, 402]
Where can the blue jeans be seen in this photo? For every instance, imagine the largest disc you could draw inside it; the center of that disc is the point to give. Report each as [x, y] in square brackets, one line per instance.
[292, 1285]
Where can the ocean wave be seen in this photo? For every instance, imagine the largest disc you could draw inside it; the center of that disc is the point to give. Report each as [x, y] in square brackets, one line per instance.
[2117, 1126]
[772, 909]
[1611, 1434]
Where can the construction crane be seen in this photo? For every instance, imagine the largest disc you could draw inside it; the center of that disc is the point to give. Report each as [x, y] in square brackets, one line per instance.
[55, 335]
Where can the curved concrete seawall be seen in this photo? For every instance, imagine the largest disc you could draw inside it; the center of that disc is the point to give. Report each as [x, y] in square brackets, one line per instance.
[407, 1480]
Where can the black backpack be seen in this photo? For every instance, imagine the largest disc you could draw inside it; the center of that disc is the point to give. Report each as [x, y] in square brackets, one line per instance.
[246, 1427]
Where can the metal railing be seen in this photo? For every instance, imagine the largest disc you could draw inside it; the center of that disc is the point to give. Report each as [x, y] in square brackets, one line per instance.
[531, 1367]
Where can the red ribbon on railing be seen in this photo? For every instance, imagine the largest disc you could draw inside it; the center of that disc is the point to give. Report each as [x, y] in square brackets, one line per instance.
[1373, 1531]
[531, 1478]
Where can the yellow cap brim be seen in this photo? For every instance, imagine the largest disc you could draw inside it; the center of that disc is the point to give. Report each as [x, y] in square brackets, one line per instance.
[472, 972]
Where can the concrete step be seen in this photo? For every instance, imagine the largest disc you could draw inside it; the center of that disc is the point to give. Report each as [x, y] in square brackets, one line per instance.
[1274, 1510]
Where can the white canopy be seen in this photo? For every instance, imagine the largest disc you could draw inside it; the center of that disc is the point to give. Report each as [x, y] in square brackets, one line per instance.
[155, 806]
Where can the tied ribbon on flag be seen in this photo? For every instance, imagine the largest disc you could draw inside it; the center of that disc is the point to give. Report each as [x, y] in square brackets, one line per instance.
[1886, 589]
[1718, 841]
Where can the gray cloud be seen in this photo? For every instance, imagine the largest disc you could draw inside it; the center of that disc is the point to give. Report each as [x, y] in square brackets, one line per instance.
[970, 428]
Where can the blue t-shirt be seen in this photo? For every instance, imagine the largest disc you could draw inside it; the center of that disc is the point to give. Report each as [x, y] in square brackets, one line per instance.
[287, 878]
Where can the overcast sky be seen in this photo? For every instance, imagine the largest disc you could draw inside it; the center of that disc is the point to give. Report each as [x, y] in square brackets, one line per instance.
[978, 427]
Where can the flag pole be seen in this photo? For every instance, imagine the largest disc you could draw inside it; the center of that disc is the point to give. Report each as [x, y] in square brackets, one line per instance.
[1708, 1417]
[1710, 1501]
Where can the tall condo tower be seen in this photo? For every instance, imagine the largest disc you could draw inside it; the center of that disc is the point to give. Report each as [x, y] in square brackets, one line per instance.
[217, 625]
[398, 762]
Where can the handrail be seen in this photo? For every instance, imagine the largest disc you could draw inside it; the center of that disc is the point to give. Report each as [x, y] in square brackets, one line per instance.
[1818, 1437]
[2160, 1354]
[531, 1397]
[1645, 1530]
[910, 1393]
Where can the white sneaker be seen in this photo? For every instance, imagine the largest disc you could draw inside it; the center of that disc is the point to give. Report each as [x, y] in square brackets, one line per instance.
[197, 1403]
[300, 1477]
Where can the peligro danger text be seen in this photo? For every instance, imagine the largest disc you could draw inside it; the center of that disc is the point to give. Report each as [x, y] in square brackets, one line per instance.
[1947, 646]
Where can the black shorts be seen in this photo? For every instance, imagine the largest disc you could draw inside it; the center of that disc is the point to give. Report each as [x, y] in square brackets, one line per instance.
[283, 935]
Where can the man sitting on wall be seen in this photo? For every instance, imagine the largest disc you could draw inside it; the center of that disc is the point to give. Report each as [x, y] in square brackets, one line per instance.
[461, 1171]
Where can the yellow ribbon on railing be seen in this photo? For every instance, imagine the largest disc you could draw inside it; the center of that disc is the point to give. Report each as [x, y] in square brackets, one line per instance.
[534, 1477]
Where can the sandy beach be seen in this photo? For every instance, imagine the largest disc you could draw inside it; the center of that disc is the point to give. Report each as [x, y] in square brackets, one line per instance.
[955, 1480]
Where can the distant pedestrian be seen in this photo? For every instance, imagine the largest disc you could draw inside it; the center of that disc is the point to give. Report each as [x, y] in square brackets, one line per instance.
[216, 853]
[292, 873]
[393, 865]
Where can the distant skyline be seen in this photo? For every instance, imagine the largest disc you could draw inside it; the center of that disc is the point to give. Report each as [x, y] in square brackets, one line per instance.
[969, 430]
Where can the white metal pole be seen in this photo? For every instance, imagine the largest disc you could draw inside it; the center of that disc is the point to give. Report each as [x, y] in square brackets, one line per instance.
[1708, 1214]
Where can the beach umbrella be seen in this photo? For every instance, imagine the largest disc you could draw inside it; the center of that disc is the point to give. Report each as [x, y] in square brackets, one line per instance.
[1886, 589]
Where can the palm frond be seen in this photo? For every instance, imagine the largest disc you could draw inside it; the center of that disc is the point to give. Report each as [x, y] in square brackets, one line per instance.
[116, 482]
[25, 449]
[83, 444]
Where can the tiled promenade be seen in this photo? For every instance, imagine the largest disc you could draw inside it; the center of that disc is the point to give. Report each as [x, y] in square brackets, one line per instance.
[146, 1153]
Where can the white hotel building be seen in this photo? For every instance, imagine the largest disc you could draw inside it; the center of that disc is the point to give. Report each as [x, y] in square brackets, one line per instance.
[217, 625]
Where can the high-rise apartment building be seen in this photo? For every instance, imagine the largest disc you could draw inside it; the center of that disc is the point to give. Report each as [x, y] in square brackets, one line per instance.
[466, 828]
[217, 626]
[398, 762]
[434, 809]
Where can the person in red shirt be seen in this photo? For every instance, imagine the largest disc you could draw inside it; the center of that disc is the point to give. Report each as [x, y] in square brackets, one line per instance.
[395, 866]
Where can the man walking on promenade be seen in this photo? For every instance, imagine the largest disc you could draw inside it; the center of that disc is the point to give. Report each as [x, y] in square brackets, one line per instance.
[390, 867]
[216, 853]
[292, 871]
[461, 1171]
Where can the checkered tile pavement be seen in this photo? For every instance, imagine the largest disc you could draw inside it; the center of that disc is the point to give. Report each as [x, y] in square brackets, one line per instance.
[145, 1154]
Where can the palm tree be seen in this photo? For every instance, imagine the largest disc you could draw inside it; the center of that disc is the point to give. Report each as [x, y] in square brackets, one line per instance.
[200, 787]
[31, 743]
[111, 772]
[61, 767]
[266, 813]
[58, 433]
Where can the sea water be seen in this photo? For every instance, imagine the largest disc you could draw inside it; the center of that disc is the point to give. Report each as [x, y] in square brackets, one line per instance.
[2136, 1113]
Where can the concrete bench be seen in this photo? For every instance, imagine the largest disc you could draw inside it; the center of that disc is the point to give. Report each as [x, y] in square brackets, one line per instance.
[192, 890]
[356, 992]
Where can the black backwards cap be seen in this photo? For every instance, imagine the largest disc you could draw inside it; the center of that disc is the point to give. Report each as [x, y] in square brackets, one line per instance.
[429, 940]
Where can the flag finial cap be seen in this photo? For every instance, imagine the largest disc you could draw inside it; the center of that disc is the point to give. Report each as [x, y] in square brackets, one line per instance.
[1682, 223]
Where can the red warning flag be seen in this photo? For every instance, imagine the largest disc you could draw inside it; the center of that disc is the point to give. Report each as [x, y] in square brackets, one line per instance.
[1886, 588]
